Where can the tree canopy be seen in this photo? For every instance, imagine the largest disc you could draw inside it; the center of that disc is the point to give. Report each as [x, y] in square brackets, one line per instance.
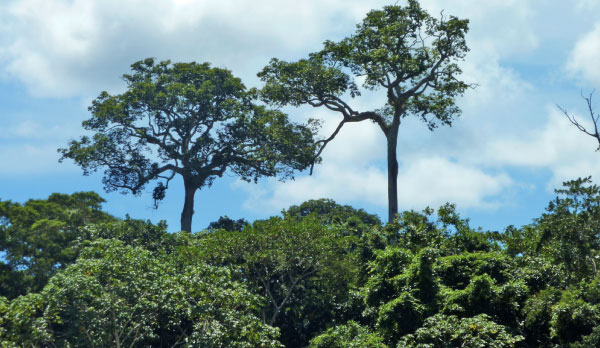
[189, 120]
[42, 236]
[321, 275]
[405, 52]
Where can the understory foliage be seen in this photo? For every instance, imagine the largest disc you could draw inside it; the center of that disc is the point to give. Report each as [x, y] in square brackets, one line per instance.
[322, 275]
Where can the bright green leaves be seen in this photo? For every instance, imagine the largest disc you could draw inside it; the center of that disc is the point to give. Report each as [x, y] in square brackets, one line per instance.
[116, 295]
[350, 335]
[308, 81]
[451, 331]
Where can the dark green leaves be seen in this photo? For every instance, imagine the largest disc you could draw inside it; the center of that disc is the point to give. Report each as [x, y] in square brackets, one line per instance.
[191, 120]
[41, 236]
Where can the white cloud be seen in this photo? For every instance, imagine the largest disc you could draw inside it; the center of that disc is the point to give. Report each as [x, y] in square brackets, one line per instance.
[427, 181]
[502, 27]
[557, 146]
[584, 5]
[434, 181]
[62, 48]
[65, 48]
[584, 58]
[25, 159]
[29, 129]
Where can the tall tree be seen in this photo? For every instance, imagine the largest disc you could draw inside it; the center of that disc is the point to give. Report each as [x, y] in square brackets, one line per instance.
[191, 120]
[408, 54]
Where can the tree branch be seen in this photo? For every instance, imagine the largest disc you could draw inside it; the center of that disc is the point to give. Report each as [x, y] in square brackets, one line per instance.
[579, 126]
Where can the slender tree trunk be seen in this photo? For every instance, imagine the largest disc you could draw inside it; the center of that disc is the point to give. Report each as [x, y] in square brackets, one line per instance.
[392, 164]
[188, 206]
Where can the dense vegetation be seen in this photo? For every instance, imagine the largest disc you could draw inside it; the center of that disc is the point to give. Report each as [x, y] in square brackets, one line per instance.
[320, 275]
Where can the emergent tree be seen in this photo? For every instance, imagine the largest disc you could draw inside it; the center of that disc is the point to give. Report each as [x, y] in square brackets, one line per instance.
[191, 120]
[404, 51]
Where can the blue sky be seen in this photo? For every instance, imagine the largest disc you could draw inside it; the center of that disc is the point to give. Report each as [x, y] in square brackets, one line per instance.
[499, 162]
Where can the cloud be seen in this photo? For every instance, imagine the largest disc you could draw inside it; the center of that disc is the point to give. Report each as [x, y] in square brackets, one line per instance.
[29, 146]
[76, 48]
[353, 171]
[27, 158]
[29, 129]
[434, 181]
[64, 48]
[557, 146]
[501, 27]
[584, 58]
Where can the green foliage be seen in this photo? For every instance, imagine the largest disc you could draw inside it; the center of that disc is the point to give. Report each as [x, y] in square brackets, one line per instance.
[540, 273]
[117, 295]
[228, 224]
[22, 322]
[457, 270]
[569, 231]
[591, 340]
[415, 231]
[41, 236]
[299, 266]
[573, 317]
[137, 233]
[484, 296]
[407, 53]
[519, 241]
[388, 263]
[329, 212]
[400, 316]
[538, 313]
[186, 119]
[441, 331]
[350, 335]
[324, 275]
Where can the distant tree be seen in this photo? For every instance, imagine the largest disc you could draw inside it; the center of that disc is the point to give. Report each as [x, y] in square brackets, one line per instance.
[404, 51]
[228, 224]
[190, 120]
[569, 231]
[328, 211]
[41, 236]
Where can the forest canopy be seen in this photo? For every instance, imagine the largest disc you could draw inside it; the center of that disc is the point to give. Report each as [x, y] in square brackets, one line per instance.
[318, 275]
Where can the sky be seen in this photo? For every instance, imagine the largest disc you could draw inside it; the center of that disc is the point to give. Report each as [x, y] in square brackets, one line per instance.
[499, 162]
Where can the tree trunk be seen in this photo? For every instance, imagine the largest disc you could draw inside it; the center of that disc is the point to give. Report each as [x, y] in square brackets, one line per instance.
[392, 164]
[188, 206]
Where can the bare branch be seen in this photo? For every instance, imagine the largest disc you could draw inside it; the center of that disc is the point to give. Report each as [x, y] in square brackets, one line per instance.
[324, 143]
[593, 117]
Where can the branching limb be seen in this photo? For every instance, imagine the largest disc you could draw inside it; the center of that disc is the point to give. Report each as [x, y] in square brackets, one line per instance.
[593, 117]
[324, 143]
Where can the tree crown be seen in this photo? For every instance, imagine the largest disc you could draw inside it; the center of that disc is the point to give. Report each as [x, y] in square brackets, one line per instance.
[189, 119]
